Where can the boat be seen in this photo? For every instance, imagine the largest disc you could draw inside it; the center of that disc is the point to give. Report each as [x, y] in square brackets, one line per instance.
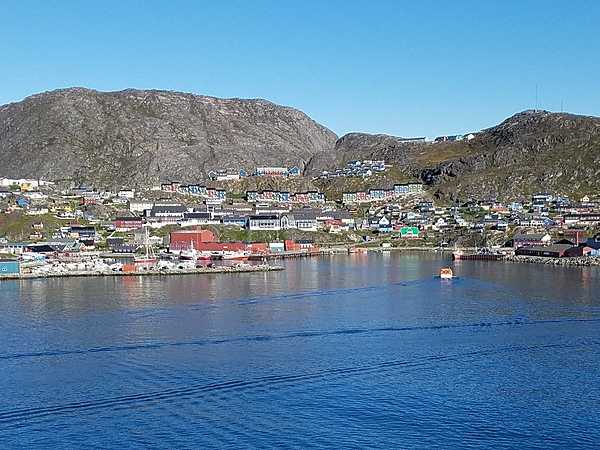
[149, 259]
[483, 254]
[446, 273]
[234, 255]
[192, 254]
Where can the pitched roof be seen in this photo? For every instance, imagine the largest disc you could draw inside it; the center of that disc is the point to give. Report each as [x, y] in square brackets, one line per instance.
[168, 209]
[529, 237]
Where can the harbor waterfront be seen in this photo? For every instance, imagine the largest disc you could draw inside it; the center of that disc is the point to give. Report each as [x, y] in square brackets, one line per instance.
[237, 268]
[362, 350]
[93, 266]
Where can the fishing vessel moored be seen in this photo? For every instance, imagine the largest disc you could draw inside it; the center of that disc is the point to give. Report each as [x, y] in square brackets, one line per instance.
[483, 254]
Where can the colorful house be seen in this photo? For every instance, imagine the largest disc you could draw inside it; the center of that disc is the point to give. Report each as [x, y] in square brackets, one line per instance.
[409, 232]
[9, 267]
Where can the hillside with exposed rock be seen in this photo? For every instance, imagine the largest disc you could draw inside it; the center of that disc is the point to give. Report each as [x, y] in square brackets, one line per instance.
[529, 152]
[135, 137]
[140, 137]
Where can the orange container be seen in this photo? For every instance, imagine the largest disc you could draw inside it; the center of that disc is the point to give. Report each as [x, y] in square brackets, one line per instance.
[129, 268]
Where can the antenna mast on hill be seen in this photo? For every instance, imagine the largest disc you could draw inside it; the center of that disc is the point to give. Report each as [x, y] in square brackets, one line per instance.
[536, 97]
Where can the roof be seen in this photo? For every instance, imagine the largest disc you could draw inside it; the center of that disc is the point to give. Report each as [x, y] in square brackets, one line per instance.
[342, 214]
[264, 217]
[305, 214]
[197, 215]
[529, 237]
[136, 218]
[549, 248]
[168, 209]
[234, 218]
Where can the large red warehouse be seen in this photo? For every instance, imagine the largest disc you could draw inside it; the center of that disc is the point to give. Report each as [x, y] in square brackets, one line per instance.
[183, 239]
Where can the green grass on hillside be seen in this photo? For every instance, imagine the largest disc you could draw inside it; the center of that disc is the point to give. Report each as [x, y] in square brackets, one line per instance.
[18, 226]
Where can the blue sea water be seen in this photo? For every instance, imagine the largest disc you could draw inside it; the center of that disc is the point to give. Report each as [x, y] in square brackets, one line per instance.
[359, 351]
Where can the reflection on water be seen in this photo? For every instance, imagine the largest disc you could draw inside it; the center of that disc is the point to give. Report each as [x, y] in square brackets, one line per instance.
[364, 350]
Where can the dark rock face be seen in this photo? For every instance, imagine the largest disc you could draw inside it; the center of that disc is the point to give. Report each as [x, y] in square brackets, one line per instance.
[136, 137]
[377, 146]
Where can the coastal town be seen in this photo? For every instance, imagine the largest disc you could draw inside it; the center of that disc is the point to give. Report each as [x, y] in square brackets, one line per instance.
[45, 225]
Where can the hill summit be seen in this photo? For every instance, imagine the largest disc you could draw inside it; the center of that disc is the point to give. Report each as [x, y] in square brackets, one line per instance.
[136, 136]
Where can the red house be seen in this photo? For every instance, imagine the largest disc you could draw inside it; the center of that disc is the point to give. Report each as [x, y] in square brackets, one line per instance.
[128, 223]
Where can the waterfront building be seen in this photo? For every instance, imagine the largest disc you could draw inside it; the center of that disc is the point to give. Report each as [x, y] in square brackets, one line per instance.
[529, 240]
[185, 239]
[9, 267]
[550, 251]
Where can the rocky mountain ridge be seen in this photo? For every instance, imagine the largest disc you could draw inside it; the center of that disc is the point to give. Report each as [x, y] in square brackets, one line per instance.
[141, 136]
[529, 152]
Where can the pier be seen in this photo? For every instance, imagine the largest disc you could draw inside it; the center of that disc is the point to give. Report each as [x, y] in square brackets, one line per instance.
[241, 268]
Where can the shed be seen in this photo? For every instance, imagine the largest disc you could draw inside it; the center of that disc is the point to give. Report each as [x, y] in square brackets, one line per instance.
[581, 250]
[550, 251]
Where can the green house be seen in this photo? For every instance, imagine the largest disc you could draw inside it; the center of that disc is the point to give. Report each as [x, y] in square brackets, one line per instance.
[409, 232]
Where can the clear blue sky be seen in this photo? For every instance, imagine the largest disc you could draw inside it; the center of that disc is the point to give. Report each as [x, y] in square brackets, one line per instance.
[400, 67]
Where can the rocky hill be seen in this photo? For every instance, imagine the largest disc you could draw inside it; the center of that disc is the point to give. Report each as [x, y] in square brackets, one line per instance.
[135, 137]
[529, 152]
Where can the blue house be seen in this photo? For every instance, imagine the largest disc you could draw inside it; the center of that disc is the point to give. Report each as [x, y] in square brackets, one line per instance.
[294, 171]
[238, 221]
[9, 267]
[22, 202]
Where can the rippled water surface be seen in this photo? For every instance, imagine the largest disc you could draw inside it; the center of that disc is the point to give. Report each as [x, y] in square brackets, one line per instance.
[343, 352]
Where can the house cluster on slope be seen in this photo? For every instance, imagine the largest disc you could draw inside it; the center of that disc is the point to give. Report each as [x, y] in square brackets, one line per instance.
[356, 168]
[376, 195]
[403, 211]
[231, 174]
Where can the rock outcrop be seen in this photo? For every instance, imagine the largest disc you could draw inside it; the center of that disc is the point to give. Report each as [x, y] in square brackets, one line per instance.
[133, 137]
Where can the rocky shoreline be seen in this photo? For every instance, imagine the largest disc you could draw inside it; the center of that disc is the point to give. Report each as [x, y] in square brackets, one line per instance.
[578, 261]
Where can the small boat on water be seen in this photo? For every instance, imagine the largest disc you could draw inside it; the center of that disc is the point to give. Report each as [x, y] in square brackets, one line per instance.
[446, 273]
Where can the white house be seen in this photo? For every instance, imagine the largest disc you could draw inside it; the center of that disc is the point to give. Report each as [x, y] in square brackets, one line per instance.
[126, 193]
[264, 222]
[139, 206]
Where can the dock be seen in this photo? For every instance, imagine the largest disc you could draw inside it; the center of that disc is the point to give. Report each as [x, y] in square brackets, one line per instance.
[242, 268]
[289, 254]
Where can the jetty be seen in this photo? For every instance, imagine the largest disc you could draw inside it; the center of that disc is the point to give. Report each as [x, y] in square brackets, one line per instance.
[57, 273]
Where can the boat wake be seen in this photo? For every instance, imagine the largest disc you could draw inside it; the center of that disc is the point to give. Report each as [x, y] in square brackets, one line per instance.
[291, 335]
[21, 417]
